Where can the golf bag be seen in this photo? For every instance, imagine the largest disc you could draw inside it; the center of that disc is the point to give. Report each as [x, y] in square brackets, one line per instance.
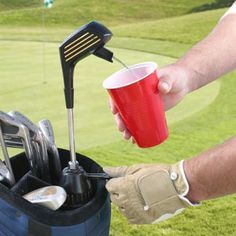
[18, 217]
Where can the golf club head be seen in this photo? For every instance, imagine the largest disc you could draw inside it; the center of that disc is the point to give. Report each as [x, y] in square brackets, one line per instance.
[12, 128]
[47, 130]
[89, 39]
[5, 153]
[37, 136]
[26, 121]
[51, 197]
[11, 144]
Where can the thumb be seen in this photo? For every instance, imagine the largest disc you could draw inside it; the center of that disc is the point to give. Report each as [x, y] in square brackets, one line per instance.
[115, 172]
[165, 81]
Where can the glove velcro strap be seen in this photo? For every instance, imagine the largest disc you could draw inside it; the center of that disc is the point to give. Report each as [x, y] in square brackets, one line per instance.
[158, 191]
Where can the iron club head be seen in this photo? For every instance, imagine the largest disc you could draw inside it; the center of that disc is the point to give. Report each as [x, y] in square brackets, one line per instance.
[36, 136]
[5, 175]
[13, 128]
[5, 154]
[47, 130]
[51, 197]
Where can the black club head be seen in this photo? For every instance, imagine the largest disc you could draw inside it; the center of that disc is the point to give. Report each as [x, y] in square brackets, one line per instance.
[87, 40]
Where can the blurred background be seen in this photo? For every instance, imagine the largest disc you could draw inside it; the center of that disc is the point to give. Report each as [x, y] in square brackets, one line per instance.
[148, 30]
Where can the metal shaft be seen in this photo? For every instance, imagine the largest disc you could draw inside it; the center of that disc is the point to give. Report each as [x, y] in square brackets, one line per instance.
[70, 115]
[6, 156]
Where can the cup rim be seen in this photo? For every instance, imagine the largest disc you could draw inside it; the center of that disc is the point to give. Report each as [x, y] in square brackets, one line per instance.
[143, 64]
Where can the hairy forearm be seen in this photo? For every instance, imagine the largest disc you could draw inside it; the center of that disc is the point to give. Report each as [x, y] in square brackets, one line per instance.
[213, 173]
[213, 56]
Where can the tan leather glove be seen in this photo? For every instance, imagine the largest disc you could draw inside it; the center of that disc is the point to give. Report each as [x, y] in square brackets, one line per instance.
[148, 193]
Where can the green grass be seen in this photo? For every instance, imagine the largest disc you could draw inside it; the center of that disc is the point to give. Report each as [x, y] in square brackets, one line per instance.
[19, 4]
[31, 82]
[166, 48]
[40, 76]
[111, 12]
[185, 29]
[171, 36]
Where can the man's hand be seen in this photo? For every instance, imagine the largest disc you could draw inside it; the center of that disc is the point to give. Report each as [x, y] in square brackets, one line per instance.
[148, 193]
[173, 86]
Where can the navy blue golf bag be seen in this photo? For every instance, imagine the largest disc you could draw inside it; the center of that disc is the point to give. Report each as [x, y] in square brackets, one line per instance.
[19, 217]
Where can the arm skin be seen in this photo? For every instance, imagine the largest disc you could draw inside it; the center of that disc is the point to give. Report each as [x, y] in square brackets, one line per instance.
[206, 61]
[213, 173]
[214, 56]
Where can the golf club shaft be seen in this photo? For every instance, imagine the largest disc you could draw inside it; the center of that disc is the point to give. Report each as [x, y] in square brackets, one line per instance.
[6, 156]
[71, 135]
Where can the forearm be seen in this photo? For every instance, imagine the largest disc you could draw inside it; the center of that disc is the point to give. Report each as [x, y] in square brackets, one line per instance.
[213, 173]
[213, 56]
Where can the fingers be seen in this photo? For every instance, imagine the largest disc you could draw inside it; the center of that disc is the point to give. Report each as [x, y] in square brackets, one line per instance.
[121, 126]
[113, 185]
[167, 79]
[124, 195]
[119, 171]
[173, 85]
[126, 134]
[165, 82]
[115, 172]
[120, 123]
[133, 140]
[122, 171]
[164, 87]
[112, 106]
[117, 196]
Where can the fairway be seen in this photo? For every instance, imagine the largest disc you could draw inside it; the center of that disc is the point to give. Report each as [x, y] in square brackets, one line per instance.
[34, 69]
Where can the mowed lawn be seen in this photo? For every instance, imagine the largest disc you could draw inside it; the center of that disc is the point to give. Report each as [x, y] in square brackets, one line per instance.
[34, 70]
[31, 82]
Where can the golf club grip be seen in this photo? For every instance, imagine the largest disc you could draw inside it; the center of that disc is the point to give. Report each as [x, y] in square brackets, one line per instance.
[69, 96]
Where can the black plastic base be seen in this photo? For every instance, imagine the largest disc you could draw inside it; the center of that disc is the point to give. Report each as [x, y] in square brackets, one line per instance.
[79, 188]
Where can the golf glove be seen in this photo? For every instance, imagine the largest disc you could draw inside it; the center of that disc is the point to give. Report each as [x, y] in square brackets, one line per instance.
[149, 193]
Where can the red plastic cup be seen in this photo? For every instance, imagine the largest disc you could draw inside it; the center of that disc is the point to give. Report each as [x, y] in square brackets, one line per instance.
[136, 97]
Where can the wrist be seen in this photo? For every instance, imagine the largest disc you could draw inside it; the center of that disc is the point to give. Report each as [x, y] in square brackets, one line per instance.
[181, 183]
[194, 190]
[192, 73]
